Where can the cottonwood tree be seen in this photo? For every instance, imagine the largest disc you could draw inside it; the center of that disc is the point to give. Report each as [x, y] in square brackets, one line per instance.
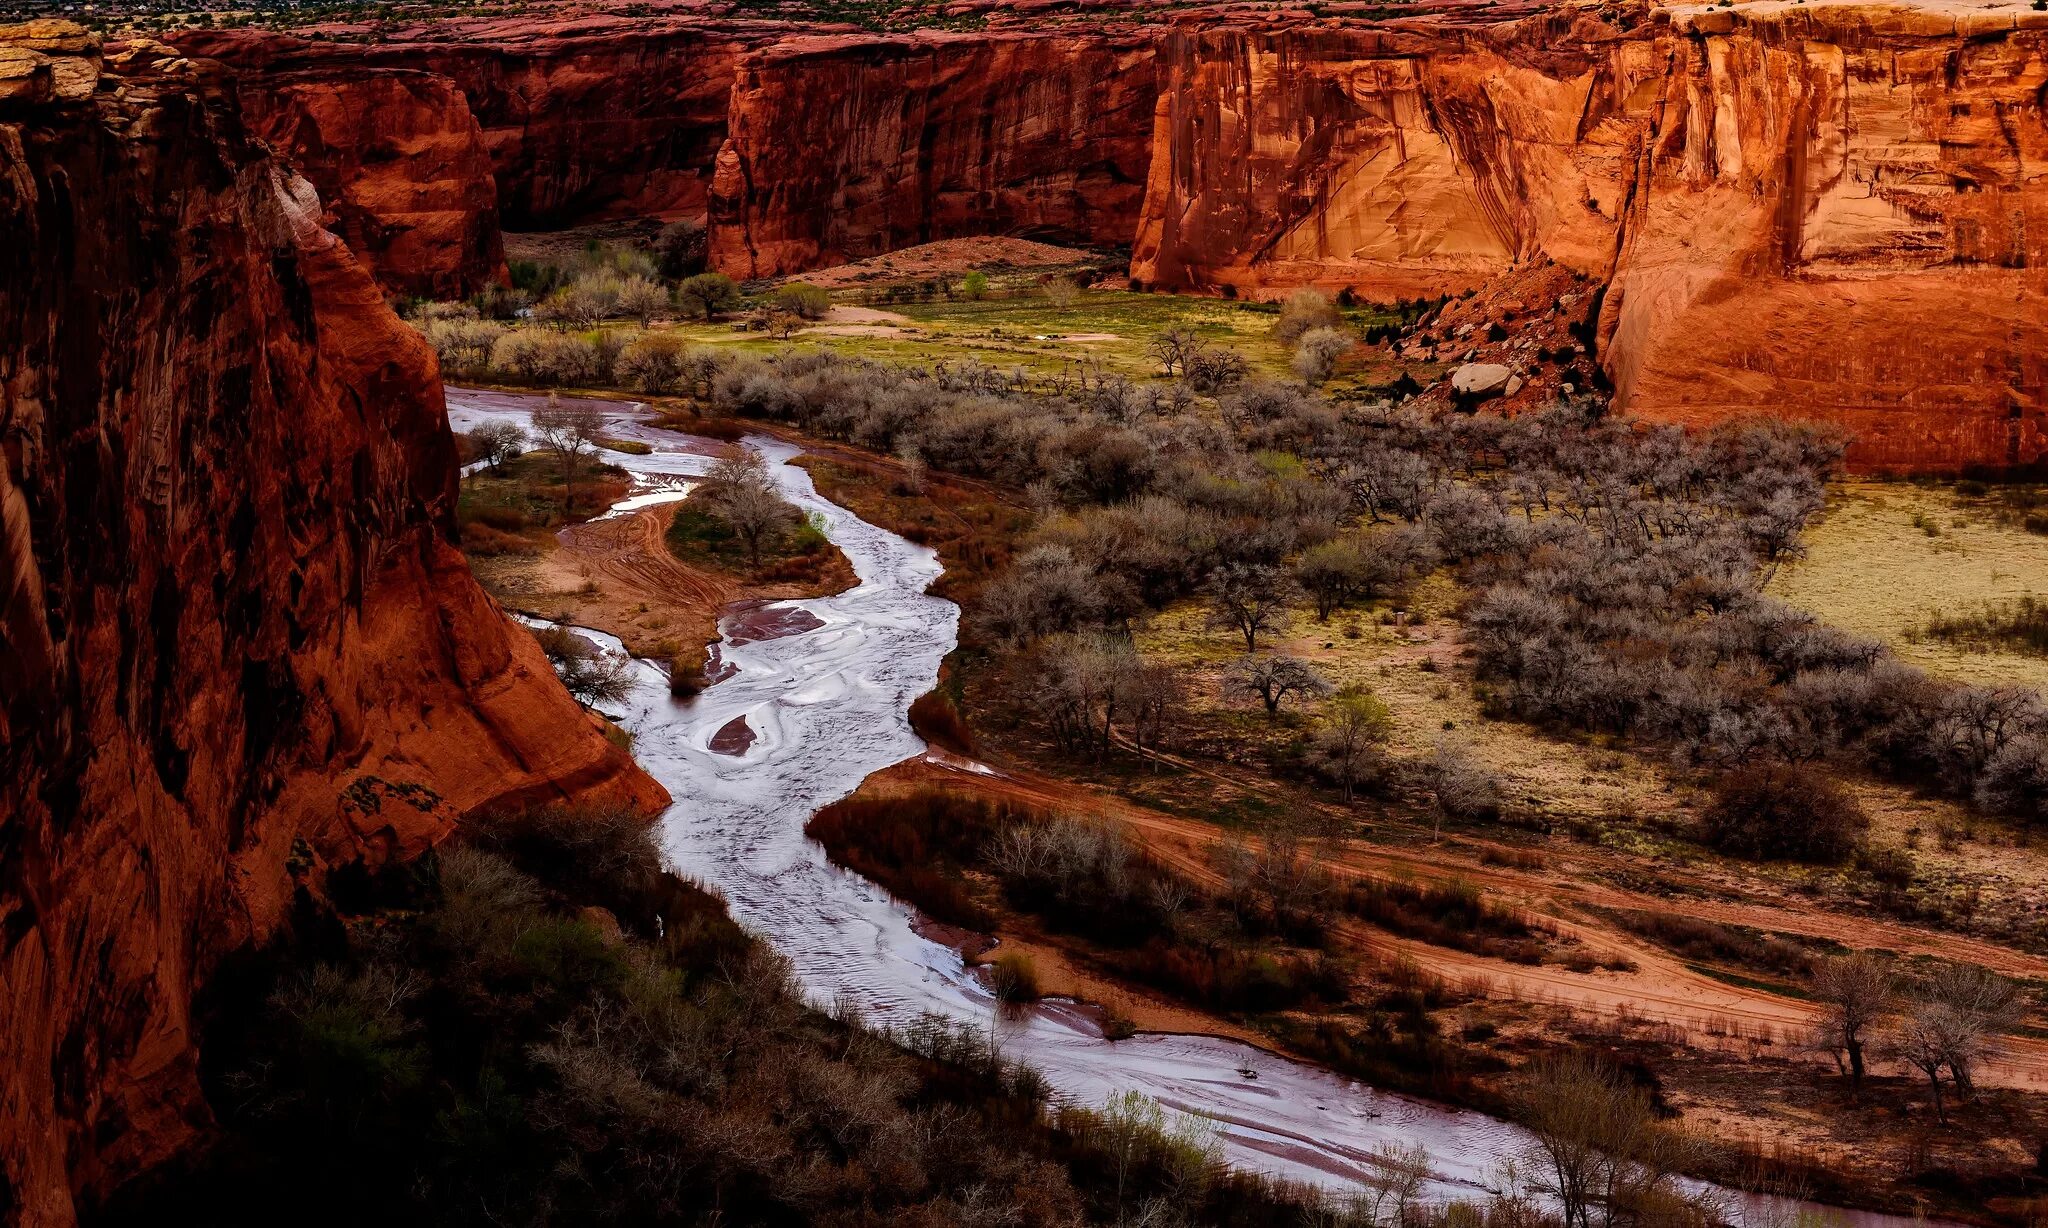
[1316, 354]
[1173, 348]
[1953, 1025]
[739, 487]
[1273, 679]
[1347, 748]
[1857, 992]
[1598, 1145]
[1464, 787]
[1333, 573]
[568, 428]
[1092, 683]
[709, 295]
[1985, 1006]
[494, 443]
[652, 362]
[642, 298]
[1250, 599]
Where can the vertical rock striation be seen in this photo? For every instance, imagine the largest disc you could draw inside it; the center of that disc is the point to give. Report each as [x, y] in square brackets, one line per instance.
[237, 643]
[844, 147]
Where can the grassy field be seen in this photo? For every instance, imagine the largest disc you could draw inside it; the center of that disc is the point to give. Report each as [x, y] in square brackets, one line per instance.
[1111, 328]
[1887, 556]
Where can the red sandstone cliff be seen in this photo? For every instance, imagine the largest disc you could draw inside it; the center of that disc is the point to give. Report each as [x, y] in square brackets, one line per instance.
[237, 644]
[400, 164]
[845, 147]
[582, 117]
[1832, 212]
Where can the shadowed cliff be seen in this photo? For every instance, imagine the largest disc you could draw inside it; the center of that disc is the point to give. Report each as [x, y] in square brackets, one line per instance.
[238, 647]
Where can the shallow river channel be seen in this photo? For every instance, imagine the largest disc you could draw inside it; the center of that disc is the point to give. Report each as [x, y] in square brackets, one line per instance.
[826, 703]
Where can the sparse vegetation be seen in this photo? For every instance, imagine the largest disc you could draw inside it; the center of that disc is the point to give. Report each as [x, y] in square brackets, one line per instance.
[539, 1021]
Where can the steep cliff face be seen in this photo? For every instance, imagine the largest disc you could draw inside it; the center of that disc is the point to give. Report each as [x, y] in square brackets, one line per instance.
[1833, 214]
[1404, 162]
[239, 645]
[841, 147]
[400, 164]
[584, 117]
[1844, 215]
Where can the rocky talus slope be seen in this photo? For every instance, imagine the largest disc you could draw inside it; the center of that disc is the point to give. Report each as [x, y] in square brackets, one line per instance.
[238, 647]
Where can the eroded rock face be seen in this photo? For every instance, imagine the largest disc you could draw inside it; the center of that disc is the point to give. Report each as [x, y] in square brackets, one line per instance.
[237, 643]
[400, 163]
[1832, 214]
[587, 117]
[1845, 216]
[841, 148]
[1835, 212]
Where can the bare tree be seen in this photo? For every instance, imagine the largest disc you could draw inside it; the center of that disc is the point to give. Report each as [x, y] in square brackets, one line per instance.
[1173, 348]
[1598, 1143]
[1273, 679]
[494, 443]
[1152, 694]
[746, 499]
[1463, 786]
[1348, 747]
[1858, 992]
[567, 428]
[1248, 599]
[1984, 1006]
[1923, 1039]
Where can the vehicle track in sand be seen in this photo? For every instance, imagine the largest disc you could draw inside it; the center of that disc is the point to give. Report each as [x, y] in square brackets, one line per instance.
[1663, 988]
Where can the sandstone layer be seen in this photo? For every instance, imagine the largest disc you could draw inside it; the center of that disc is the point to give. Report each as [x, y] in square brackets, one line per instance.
[237, 644]
[1826, 211]
[400, 164]
[840, 148]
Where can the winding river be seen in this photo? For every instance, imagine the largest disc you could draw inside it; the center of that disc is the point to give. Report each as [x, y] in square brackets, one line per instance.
[827, 707]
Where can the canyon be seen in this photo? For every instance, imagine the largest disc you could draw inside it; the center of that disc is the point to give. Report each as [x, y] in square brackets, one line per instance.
[1835, 212]
[241, 649]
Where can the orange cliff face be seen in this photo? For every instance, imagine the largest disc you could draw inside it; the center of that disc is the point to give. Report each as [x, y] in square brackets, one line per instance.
[1833, 211]
[841, 147]
[1844, 215]
[400, 164]
[1832, 214]
[240, 647]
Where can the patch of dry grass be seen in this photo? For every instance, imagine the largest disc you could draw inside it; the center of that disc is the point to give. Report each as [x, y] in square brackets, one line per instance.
[1887, 556]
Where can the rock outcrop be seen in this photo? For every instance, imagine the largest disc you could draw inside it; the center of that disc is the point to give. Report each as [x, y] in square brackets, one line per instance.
[400, 164]
[844, 147]
[1835, 211]
[582, 117]
[237, 643]
[1833, 214]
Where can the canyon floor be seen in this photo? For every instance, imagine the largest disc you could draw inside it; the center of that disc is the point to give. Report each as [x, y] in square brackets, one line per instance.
[1596, 852]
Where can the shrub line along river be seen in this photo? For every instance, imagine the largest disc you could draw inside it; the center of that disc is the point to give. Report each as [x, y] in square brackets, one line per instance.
[827, 706]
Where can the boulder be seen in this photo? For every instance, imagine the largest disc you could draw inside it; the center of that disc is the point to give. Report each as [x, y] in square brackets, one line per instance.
[1481, 379]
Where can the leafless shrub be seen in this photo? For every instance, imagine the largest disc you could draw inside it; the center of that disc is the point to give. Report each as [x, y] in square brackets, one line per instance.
[1272, 679]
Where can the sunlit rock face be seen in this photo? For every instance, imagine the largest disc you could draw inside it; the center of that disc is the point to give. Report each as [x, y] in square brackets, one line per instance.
[238, 647]
[1834, 214]
[1845, 216]
[845, 147]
